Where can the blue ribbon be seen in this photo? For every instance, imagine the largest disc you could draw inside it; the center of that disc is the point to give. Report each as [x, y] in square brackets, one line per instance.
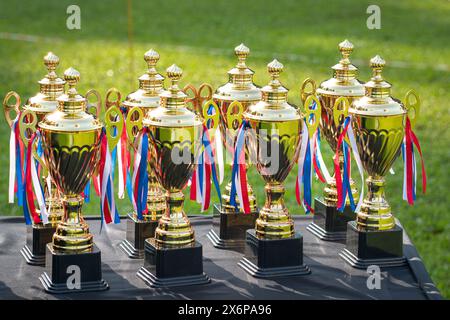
[208, 149]
[307, 198]
[143, 177]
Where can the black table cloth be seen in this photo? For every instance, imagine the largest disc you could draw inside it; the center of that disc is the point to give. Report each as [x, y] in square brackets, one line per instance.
[331, 277]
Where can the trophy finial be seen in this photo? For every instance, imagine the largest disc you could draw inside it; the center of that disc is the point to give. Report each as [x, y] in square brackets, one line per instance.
[174, 73]
[152, 58]
[72, 77]
[346, 48]
[377, 64]
[51, 61]
[275, 68]
[242, 53]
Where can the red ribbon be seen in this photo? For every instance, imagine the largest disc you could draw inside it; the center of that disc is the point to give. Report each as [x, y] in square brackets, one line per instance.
[28, 182]
[337, 169]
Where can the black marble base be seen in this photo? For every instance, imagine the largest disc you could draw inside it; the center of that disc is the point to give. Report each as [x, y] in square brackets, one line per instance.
[137, 231]
[229, 229]
[381, 248]
[73, 272]
[37, 238]
[267, 258]
[328, 223]
[172, 267]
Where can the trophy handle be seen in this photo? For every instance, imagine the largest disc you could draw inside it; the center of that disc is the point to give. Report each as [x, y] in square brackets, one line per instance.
[412, 108]
[109, 103]
[94, 108]
[7, 108]
[340, 112]
[191, 96]
[215, 117]
[234, 119]
[114, 126]
[134, 124]
[198, 97]
[312, 115]
[27, 125]
[303, 93]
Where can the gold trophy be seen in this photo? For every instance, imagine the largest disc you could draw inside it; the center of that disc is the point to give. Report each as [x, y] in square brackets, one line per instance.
[145, 99]
[273, 248]
[378, 121]
[71, 142]
[44, 102]
[328, 223]
[173, 257]
[233, 98]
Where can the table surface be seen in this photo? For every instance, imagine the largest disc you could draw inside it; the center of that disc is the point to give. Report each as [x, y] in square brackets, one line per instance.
[331, 277]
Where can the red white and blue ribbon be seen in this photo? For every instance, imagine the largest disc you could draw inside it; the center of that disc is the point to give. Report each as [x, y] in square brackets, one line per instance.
[140, 176]
[33, 188]
[239, 172]
[319, 164]
[304, 173]
[108, 207]
[409, 159]
[205, 171]
[16, 165]
[343, 179]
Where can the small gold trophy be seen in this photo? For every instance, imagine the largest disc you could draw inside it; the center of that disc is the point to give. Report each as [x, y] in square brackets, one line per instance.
[233, 98]
[378, 121]
[273, 248]
[44, 102]
[328, 223]
[146, 98]
[71, 142]
[173, 257]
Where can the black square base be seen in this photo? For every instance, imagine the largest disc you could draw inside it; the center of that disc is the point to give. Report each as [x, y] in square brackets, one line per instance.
[328, 223]
[267, 258]
[37, 238]
[63, 270]
[137, 231]
[172, 267]
[229, 229]
[381, 248]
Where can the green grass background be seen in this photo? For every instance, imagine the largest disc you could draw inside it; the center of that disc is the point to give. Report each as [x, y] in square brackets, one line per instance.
[200, 36]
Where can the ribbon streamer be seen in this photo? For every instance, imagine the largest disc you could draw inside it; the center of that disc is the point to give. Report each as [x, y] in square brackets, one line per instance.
[239, 172]
[410, 175]
[304, 173]
[140, 176]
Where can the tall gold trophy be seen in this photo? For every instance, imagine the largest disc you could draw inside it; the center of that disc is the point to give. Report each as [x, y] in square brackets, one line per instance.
[233, 98]
[273, 248]
[173, 257]
[378, 121]
[44, 102]
[328, 223]
[71, 142]
[138, 104]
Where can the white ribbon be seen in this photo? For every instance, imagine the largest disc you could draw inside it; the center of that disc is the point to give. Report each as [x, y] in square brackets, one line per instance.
[137, 160]
[38, 191]
[219, 154]
[121, 192]
[351, 137]
[323, 167]
[107, 178]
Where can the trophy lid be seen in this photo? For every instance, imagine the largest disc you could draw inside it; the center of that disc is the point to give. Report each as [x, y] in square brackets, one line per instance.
[273, 105]
[70, 115]
[151, 85]
[50, 88]
[240, 85]
[173, 111]
[343, 82]
[377, 100]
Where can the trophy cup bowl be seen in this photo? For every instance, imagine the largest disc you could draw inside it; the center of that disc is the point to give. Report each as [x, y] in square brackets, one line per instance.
[41, 104]
[378, 123]
[233, 98]
[273, 247]
[71, 141]
[329, 224]
[174, 133]
[137, 105]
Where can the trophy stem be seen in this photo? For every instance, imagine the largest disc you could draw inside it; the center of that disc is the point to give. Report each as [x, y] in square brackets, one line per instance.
[54, 206]
[72, 233]
[274, 221]
[375, 213]
[174, 228]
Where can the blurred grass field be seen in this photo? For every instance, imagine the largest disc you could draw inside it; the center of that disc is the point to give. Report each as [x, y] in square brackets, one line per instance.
[200, 36]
